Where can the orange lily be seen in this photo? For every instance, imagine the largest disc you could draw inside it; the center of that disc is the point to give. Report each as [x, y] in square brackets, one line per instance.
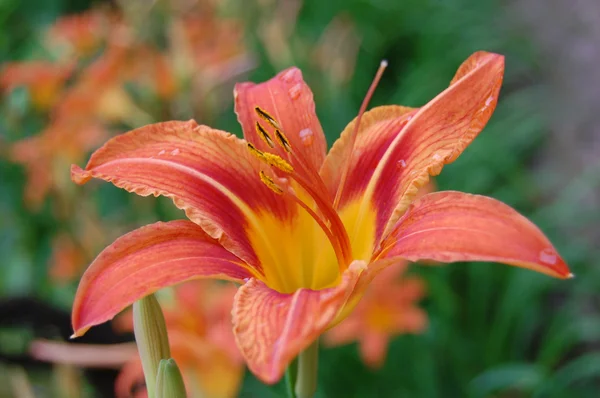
[302, 231]
[66, 258]
[63, 141]
[45, 80]
[386, 310]
[79, 35]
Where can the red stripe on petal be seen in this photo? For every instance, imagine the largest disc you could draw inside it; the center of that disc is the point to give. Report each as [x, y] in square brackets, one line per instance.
[378, 128]
[144, 261]
[454, 226]
[289, 100]
[398, 148]
[272, 328]
[208, 173]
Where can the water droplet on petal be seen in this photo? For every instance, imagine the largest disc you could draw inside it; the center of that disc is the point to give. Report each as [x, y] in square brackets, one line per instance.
[489, 101]
[295, 91]
[437, 157]
[401, 163]
[289, 75]
[408, 118]
[307, 137]
[175, 152]
[246, 280]
[548, 256]
[161, 152]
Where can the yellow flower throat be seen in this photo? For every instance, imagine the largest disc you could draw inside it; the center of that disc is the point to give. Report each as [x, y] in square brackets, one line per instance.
[314, 248]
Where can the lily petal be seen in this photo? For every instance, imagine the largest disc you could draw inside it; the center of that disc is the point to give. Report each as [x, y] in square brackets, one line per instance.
[373, 349]
[288, 99]
[208, 173]
[378, 128]
[144, 261]
[398, 148]
[453, 226]
[272, 328]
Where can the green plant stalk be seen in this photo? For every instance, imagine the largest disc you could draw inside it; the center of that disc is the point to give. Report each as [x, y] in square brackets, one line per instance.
[151, 338]
[291, 375]
[306, 381]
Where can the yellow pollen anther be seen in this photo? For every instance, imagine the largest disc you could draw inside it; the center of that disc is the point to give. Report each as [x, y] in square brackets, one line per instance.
[268, 181]
[283, 141]
[268, 118]
[279, 162]
[271, 159]
[260, 155]
[264, 135]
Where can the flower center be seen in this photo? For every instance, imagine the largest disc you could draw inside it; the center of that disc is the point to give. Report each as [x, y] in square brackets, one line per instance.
[306, 263]
[290, 174]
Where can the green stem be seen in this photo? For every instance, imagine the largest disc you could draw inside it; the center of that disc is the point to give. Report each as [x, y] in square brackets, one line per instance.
[151, 338]
[291, 374]
[308, 361]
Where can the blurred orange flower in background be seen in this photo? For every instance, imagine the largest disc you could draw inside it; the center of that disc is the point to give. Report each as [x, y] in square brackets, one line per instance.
[200, 333]
[66, 259]
[74, 246]
[45, 156]
[388, 309]
[78, 35]
[44, 80]
[83, 112]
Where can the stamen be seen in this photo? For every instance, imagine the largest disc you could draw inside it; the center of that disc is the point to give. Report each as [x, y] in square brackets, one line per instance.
[283, 141]
[271, 159]
[337, 226]
[268, 181]
[278, 161]
[264, 135]
[260, 155]
[363, 108]
[268, 118]
[314, 186]
[339, 253]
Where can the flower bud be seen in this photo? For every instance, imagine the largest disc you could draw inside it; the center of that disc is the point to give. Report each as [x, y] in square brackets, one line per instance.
[169, 383]
[151, 338]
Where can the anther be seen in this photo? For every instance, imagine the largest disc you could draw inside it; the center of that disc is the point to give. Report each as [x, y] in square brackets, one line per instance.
[260, 155]
[283, 141]
[264, 135]
[270, 159]
[268, 118]
[268, 181]
[278, 161]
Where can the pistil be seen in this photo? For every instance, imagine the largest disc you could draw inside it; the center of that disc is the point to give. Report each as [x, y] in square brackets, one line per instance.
[350, 151]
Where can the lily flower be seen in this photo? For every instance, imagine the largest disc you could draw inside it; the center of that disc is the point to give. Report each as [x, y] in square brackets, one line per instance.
[386, 310]
[79, 35]
[303, 232]
[44, 155]
[45, 80]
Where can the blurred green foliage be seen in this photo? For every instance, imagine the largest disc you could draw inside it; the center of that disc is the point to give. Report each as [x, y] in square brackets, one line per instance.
[494, 331]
